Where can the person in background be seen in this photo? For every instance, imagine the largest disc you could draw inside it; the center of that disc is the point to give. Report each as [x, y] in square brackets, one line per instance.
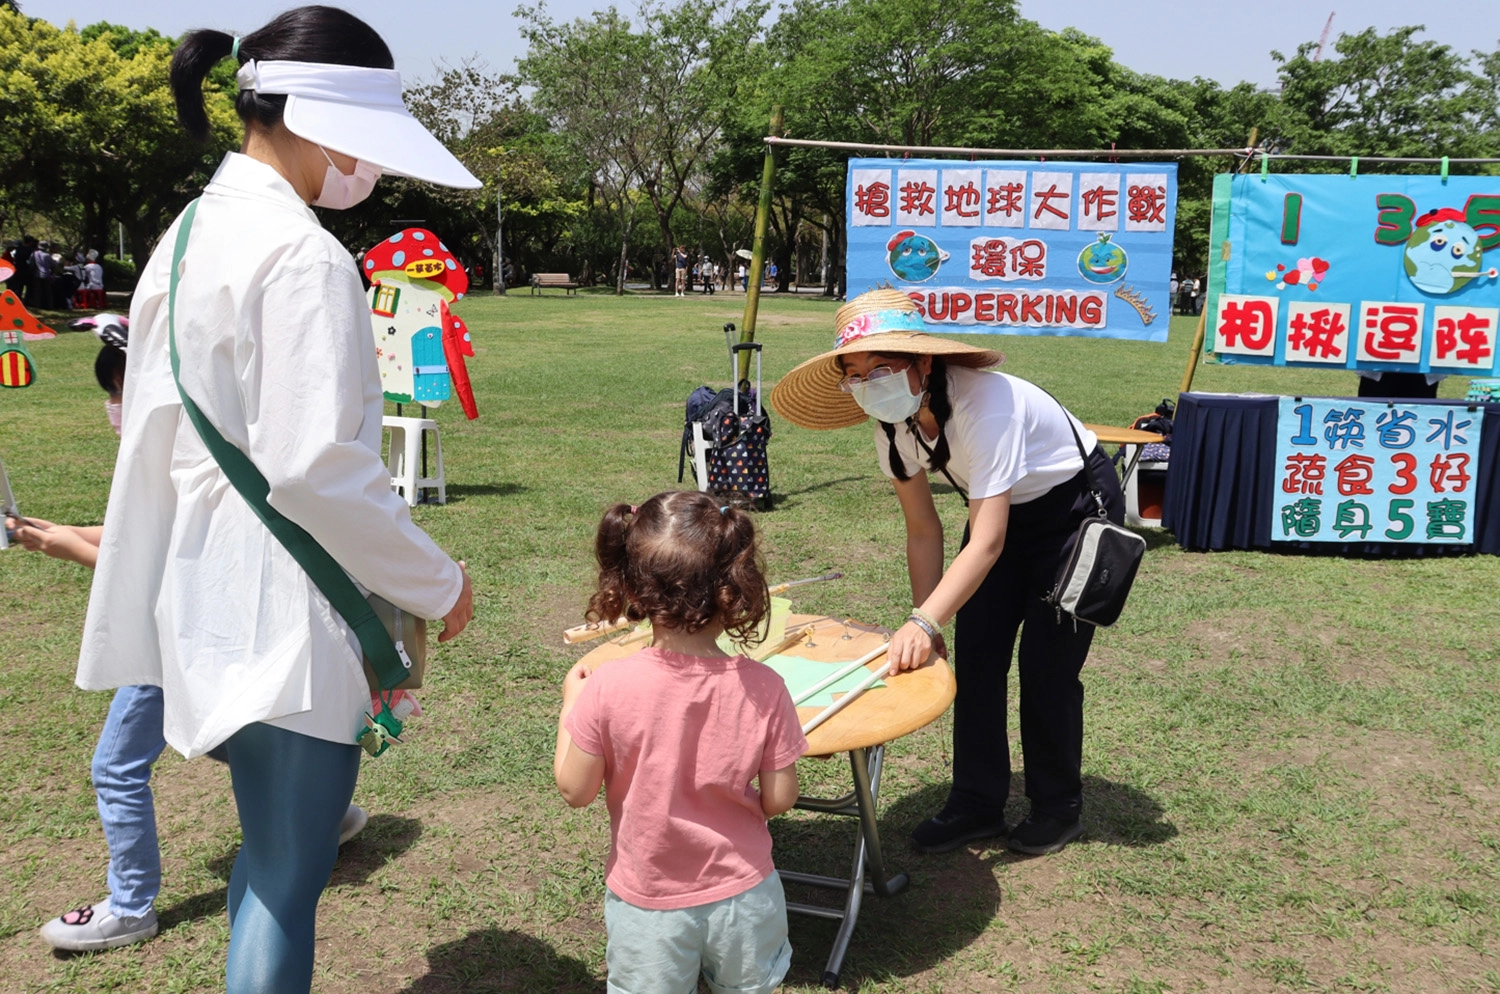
[255, 312]
[44, 272]
[680, 268]
[93, 279]
[681, 734]
[744, 275]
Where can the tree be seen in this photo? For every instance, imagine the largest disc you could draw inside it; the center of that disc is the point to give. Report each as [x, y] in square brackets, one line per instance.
[1387, 95]
[909, 72]
[91, 128]
[479, 115]
[643, 106]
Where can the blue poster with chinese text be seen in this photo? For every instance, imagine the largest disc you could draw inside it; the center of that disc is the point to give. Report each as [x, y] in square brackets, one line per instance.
[1367, 272]
[1355, 471]
[1020, 248]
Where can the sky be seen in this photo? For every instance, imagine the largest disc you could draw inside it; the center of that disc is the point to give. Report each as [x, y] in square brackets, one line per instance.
[1229, 42]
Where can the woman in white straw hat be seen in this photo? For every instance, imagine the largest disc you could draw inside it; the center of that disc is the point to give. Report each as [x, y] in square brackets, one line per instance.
[193, 593]
[1014, 451]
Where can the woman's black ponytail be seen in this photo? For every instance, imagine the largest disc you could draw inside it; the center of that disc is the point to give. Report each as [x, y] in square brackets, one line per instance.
[196, 54]
[306, 34]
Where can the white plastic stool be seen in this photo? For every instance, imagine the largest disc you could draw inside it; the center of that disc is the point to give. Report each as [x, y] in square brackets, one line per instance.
[702, 445]
[405, 459]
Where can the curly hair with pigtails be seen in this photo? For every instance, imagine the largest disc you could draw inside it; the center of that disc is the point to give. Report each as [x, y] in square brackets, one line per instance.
[681, 561]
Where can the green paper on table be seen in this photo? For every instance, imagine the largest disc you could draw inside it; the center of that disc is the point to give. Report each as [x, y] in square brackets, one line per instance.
[799, 674]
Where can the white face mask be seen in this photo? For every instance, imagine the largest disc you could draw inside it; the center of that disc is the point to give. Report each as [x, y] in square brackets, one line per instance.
[340, 192]
[112, 411]
[888, 399]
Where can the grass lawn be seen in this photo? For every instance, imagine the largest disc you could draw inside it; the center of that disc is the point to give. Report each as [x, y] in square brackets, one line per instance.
[1290, 764]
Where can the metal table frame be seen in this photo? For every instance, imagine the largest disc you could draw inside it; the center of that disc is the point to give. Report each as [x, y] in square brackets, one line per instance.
[859, 803]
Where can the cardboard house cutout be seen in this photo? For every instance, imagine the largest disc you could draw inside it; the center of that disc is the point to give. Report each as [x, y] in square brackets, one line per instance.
[419, 345]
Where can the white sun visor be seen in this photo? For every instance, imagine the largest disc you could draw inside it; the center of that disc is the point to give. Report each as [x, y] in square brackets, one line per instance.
[358, 112]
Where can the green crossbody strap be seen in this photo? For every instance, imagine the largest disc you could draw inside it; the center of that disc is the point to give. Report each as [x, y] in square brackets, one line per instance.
[379, 648]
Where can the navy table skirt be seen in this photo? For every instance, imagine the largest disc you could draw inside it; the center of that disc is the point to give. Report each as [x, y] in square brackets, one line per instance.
[1222, 478]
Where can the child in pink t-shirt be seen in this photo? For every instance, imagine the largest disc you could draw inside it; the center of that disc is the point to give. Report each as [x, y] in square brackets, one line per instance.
[680, 734]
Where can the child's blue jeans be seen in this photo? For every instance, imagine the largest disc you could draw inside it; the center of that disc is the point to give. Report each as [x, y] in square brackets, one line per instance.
[128, 746]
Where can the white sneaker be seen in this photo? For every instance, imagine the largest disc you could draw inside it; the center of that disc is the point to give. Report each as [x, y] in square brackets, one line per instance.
[91, 928]
[354, 822]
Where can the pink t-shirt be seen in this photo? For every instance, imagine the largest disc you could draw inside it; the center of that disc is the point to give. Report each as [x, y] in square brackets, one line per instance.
[682, 738]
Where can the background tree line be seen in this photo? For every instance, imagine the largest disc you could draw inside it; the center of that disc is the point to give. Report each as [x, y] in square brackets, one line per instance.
[619, 136]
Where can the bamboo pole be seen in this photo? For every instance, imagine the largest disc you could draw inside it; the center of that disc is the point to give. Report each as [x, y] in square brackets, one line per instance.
[758, 249]
[1196, 355]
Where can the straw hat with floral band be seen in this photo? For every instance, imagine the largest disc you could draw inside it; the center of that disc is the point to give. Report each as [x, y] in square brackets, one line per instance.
[885, 321]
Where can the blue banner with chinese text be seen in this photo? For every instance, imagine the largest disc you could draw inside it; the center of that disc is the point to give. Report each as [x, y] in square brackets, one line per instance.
[1022, 248]
[1368, 272]
[1353, 471]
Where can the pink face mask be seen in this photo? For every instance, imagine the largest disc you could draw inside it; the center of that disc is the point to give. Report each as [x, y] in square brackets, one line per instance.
[341, 192]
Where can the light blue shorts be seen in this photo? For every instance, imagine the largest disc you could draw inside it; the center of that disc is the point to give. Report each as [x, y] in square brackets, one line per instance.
[739, 944]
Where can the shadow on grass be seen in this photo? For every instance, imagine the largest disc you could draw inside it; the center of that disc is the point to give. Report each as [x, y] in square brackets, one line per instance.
[458, 492]
[1156, 538]
[383, 837]
[781, 496]
[949, 902]
[495, 960]
[1121, 815]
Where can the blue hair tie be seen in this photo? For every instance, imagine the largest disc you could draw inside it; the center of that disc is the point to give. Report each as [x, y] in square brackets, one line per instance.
[234, 50]
[724, 508]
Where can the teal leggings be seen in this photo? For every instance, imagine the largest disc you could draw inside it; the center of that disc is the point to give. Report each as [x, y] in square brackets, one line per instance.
[292, 791]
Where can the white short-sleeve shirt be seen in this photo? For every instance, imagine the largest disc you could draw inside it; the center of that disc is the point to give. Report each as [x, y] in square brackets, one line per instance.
[1005, 434]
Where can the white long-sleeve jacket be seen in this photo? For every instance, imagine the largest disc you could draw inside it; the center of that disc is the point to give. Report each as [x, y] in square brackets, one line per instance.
[192, 592]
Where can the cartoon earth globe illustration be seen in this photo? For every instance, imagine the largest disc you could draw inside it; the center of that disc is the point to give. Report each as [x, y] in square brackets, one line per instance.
[1443, 254]
[1102, 261]
[914, 258]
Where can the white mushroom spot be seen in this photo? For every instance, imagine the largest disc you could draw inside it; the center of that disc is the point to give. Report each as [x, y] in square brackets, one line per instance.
[451, 264]
[427, 251]
[442, 246]
[369, 263]
[396, 237]
[398, 259]
[419, 236]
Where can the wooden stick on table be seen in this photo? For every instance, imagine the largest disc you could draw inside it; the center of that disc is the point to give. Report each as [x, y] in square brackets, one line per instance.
[582, 633]
[843, 702]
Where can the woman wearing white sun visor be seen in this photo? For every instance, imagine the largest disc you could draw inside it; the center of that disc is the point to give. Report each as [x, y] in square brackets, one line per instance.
[193, 594]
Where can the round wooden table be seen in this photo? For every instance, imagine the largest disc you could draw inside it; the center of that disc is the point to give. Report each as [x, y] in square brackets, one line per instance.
[907, 702]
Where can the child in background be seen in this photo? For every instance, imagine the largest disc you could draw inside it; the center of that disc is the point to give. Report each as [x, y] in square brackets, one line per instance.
[679, 734]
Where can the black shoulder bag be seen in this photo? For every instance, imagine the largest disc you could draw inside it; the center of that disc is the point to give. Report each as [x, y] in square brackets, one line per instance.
[1094, 582]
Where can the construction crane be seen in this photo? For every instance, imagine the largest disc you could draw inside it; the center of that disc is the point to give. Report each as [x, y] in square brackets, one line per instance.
[1323, 40]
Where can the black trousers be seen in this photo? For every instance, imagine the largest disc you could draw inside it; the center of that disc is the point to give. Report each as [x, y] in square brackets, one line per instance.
[1039, 536]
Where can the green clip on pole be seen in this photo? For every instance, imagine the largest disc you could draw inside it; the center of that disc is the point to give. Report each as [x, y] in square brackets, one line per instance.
[1265, 166]
[1353, 167]
[1443, 169]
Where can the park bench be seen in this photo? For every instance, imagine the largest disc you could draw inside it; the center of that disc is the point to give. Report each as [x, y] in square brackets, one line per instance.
[557, 281]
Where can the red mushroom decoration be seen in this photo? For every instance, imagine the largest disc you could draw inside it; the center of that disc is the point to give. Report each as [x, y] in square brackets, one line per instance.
[416, 257]
[13, 314]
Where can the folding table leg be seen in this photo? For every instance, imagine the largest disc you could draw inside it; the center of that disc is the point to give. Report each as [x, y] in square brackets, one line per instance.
[865, 765]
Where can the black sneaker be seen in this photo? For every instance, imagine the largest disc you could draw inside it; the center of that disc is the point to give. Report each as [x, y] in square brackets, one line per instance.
[948, 830]
[1041, 835]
